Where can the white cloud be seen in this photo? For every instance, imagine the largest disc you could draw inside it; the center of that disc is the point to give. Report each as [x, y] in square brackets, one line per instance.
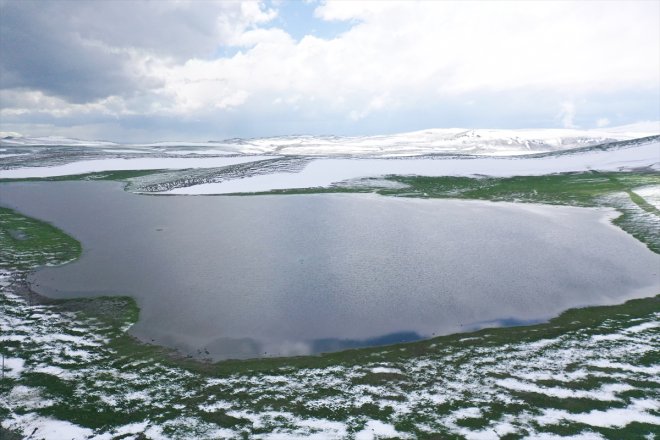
[241, 18]
[433, 49]
[396, 56]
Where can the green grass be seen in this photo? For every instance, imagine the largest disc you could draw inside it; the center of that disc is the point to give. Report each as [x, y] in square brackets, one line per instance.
[21, 237]
[576, 189]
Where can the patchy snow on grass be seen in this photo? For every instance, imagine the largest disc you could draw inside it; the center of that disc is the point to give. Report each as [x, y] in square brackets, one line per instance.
[653, 370]
[44, 428]
[613, 337]
[543, 343]
[581, 436]
[126, 431]
[28, 398]
[215, 406]
[385, 370]
[611, 418]
[467, 413]
[607, 392]
[536, 376]
[642, 327]
[50, 369]
[76, 340]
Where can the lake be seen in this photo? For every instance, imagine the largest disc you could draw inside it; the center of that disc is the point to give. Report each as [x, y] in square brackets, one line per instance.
[280, 275]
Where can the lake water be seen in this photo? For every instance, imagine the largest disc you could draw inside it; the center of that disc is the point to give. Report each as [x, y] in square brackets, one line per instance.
[241, 277]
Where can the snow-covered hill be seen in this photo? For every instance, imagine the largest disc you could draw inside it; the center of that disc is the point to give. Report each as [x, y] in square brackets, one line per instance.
[424, 142]
[434, 141]
[323, 172]
[256, 173]
[15, 139]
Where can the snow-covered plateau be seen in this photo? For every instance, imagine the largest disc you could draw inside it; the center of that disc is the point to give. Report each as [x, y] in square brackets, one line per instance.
[325, 172]
[496, 142]
[274, 166]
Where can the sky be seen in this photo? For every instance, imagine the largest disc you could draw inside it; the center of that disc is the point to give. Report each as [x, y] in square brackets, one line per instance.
[139, 70]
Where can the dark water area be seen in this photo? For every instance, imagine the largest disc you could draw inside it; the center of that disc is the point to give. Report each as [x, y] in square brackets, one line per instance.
[240, 277]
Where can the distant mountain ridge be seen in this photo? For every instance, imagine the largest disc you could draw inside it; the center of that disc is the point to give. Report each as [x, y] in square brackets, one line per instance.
[498, 142]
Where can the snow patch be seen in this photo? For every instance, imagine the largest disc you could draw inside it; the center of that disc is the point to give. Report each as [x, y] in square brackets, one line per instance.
[376, 429]
[611, 418]
[385, 370]
[48, 429]
[605, 393]
[13, 366]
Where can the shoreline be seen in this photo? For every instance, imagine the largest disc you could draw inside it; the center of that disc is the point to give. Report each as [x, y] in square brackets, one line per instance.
[611, 215]
[98, 382]
[22, 289]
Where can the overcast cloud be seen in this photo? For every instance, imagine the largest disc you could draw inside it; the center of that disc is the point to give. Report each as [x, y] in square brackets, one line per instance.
[149, 70]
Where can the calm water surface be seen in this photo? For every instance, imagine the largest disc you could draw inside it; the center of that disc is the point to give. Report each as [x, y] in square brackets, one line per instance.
[282, 275]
